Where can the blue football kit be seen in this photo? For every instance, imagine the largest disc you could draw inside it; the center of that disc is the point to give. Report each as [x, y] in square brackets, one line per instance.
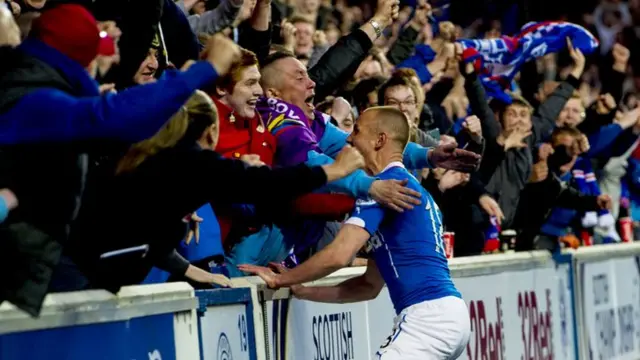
[408, 249]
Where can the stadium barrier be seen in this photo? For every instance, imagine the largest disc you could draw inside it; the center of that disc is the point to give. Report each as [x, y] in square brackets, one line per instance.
[149, 322]
[230, 323]
[519, 304]
[578, 305]
[607, 284]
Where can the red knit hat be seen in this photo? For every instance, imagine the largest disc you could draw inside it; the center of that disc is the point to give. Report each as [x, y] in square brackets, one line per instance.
[70, 29]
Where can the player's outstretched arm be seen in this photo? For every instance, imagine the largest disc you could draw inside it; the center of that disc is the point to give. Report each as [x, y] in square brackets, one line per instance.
[362, 288]
[335, 256]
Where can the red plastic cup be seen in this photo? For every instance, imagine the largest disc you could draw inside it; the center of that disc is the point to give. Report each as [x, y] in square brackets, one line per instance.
[626, 229]
[449, 239]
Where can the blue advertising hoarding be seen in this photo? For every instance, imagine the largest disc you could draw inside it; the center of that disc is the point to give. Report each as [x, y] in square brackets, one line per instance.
[144, 338]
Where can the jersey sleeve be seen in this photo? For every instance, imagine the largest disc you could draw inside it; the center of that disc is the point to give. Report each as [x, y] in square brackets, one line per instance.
[368, 214]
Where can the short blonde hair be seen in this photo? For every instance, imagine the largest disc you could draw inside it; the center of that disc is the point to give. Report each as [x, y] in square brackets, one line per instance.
[393, 121]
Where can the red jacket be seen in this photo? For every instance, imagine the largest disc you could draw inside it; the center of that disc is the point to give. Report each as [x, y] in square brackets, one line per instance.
[240, 136]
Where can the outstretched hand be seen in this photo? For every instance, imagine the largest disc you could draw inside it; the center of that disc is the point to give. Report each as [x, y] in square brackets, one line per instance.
[395, 194]
[265, 273]
[449, 157]
[279, 269]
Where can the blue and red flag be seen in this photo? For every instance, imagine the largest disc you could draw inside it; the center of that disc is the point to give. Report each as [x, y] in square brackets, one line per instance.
[497, 61]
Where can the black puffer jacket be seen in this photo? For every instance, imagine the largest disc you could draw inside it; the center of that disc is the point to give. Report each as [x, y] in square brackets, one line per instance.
[48, 181]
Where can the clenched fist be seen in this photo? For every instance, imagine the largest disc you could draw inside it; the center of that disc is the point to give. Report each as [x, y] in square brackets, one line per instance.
[605, 104]
[319, 38]
[473, 127]
[222, 53]
[387, 12]
[620, 57]
[421, 16]
[348, 160]
[540, 172]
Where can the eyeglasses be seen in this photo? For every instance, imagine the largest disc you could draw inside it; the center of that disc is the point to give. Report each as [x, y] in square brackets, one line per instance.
[408, 102]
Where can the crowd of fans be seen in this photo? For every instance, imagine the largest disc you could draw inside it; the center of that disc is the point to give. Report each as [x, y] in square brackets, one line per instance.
[118, 120]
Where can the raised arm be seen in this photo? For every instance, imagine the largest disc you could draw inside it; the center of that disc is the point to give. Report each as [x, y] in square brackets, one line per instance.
[479, 104]
[549, 110]
[256, 34]
[544, 120]
[217, 19]
[50, 115]
[404, 46]
[342, 60]
[132, 115]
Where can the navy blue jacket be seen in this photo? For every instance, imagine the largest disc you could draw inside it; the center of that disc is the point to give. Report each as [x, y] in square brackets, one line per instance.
[47, 112]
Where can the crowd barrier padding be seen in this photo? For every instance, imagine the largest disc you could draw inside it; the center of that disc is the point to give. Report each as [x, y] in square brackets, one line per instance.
[582, 304]
[149, 322]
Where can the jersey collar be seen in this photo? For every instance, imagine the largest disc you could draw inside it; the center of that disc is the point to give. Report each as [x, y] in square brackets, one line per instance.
[392, 165]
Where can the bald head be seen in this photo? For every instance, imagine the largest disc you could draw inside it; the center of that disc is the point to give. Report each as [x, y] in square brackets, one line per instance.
[380, 134]
[390, 121]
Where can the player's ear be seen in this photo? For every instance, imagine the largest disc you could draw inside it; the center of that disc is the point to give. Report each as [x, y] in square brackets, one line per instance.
[381, 141]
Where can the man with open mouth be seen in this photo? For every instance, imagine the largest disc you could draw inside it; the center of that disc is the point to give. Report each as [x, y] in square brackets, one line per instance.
[291, 93]
[244, 133]
[304, 135]
[149, 66]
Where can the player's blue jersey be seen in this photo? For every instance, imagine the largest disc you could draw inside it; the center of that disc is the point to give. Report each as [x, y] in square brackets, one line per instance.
[409, 247]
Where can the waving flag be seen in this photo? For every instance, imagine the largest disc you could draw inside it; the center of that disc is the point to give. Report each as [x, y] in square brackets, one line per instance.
[499, 60]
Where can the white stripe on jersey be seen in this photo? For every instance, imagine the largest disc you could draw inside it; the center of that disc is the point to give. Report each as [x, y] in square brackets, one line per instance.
[386, 247]
[430, 208]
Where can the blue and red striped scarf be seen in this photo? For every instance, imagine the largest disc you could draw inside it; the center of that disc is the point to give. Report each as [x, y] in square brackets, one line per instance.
[295, 134]
[497, 61]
